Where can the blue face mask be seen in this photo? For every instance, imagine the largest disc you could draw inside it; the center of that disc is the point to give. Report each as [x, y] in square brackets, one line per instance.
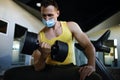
[49, 23]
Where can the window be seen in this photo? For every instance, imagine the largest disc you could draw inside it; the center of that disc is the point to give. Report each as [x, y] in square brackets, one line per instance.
[3, 26]
[17, 58]
[110, 59]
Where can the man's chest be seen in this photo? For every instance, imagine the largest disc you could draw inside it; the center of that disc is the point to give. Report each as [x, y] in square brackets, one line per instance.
[53, 33]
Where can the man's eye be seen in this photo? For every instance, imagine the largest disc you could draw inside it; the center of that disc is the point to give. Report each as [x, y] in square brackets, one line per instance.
[50, 14]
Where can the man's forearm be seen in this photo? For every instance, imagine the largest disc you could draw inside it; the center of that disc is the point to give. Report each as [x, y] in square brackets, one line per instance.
[90, 54]
[39, 64]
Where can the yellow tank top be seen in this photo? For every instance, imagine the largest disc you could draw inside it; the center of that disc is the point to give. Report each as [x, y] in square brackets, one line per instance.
[66, 36]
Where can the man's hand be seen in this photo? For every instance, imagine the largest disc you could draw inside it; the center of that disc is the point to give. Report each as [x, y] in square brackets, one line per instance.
[86, 71]
[45, 49]
[40, 56]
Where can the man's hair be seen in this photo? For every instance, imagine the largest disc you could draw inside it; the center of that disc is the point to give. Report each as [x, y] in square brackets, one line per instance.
[46, 3]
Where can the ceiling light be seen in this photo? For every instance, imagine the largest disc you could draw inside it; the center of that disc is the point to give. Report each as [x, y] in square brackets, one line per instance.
[38, 4]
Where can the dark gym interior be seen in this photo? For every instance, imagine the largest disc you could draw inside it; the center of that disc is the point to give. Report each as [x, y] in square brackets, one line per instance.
[87, 13]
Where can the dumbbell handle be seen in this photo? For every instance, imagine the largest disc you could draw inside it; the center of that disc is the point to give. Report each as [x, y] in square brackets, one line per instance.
[54, 47]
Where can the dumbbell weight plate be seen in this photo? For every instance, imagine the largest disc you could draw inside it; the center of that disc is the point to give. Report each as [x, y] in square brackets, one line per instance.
[59, 51]
[29, 43]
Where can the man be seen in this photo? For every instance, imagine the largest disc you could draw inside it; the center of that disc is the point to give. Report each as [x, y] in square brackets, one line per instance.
[64, 31]
[44, 68]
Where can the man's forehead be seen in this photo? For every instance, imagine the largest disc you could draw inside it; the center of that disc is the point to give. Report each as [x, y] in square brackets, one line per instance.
[48, 8]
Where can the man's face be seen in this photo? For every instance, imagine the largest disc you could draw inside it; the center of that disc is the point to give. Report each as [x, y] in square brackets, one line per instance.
[49, 12]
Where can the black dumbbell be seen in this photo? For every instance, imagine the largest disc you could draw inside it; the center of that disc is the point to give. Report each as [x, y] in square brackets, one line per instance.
[59, 49]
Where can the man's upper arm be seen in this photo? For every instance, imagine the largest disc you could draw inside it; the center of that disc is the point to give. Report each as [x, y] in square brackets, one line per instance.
[79, 35]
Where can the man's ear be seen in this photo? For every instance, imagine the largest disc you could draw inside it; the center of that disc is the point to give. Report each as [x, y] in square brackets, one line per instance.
[58, 12]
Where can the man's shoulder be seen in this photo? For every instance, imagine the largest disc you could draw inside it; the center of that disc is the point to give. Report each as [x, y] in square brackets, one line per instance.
[69, 23]
[72, 24]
